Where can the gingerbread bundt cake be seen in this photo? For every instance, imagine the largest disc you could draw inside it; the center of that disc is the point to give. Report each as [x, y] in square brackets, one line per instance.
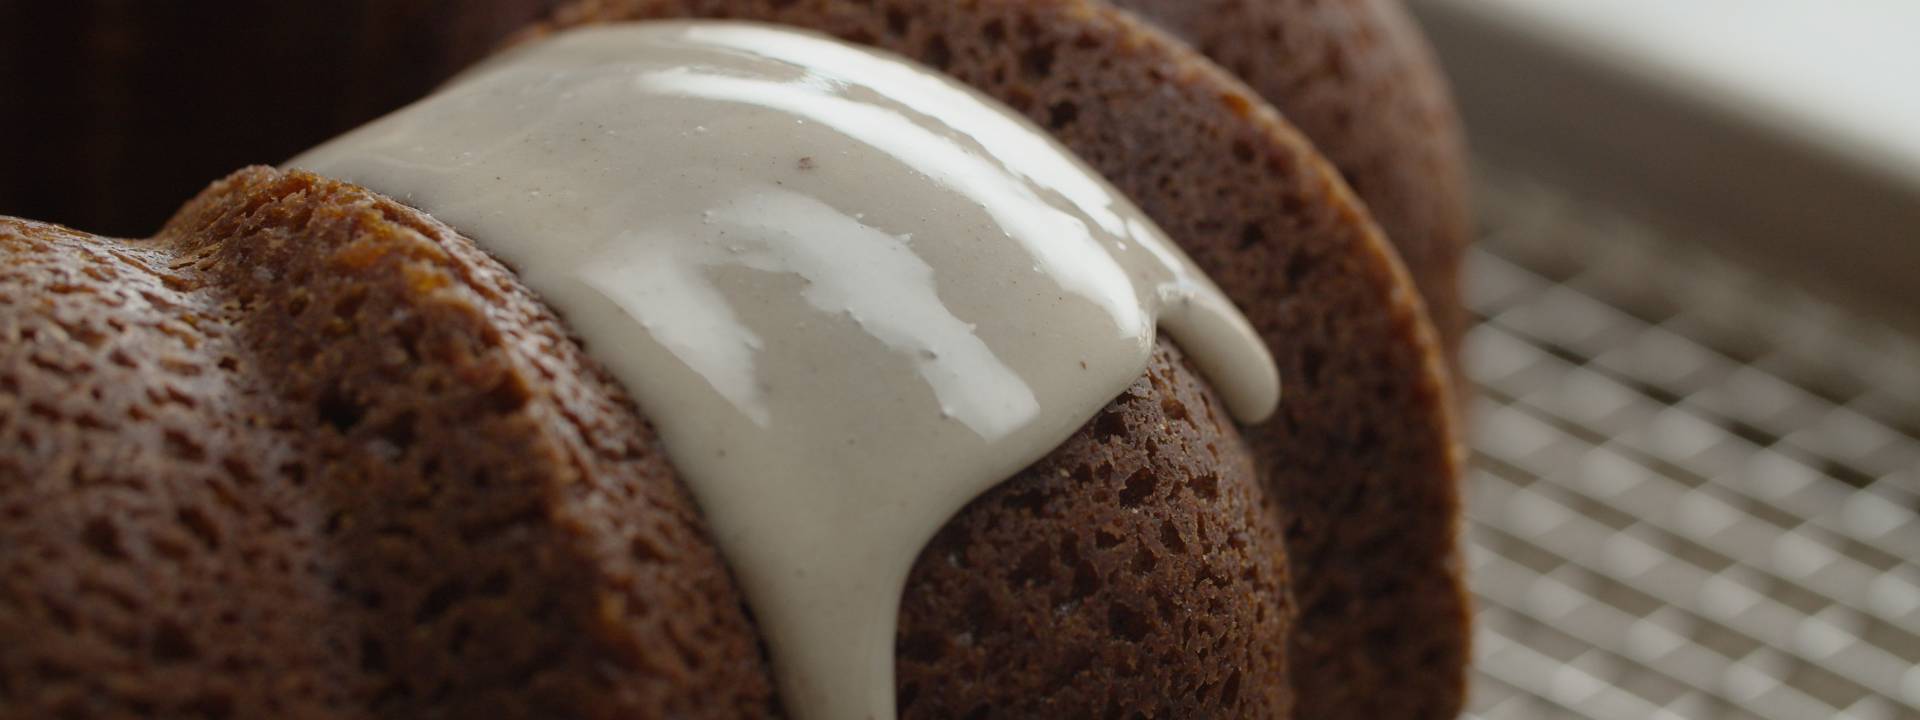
[149, 91]
[441, 505]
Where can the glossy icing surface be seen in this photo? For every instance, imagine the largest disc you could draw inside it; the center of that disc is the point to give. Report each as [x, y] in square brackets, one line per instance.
[852, 295]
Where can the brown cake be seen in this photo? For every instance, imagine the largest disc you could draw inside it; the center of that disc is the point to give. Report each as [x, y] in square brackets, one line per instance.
[1358, 80]
[302, 387]
[125, 126]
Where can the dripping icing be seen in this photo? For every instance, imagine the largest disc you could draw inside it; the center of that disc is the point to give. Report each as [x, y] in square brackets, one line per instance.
[852, 294]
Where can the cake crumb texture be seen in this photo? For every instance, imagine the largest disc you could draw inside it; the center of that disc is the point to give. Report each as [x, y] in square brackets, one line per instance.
[1361, 459]
[1358, 79]
[1137, 569]
[307, 453]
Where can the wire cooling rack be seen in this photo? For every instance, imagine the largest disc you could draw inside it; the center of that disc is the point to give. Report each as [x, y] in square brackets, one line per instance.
[1695, 492]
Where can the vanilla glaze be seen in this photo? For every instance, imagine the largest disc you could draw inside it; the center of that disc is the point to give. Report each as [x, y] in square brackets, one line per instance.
[852, 294]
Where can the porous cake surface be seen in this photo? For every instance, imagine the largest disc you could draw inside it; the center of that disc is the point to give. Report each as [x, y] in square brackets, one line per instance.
[308, 453]
[1139, 567]
[1362, 457]
[437, 506]
[448, 510]
[1358, 80]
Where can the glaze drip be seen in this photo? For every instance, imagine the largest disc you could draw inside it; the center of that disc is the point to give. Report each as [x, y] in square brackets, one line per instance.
[852, 294]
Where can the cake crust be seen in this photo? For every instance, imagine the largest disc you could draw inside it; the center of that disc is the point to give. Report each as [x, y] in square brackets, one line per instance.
[597, 546]
[1356, 78]
[431, 503]
[1362, 457]
[309, 389]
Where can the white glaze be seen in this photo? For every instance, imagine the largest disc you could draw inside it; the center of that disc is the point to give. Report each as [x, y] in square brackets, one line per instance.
[853, 295]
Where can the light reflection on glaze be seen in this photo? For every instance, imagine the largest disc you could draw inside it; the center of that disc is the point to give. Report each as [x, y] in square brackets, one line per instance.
[851, 294]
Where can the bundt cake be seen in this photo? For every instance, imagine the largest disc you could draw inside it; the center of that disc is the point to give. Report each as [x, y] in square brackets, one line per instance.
[313, 451]
[131, 119]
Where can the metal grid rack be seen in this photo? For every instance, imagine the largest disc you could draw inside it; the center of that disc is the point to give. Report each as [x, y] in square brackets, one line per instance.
[1695, 492]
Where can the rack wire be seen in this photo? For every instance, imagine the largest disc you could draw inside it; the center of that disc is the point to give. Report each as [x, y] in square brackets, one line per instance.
[1695, 492]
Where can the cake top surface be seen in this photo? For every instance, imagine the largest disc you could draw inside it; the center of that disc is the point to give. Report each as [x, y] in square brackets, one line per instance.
[852, 293]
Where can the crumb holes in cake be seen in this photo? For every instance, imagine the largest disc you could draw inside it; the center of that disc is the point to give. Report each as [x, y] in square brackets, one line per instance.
[1062, 114]
[1293, 206]
[348, 306]
[61, 614]
[48, 365]
[158, 301]
[102, 538]
[43, 412]
[1037, 61]
[1109, 425]
[478, 532]
[1127, 623]
[994, 32]
[1105, 540]
[336, 520]
[1206, 485]
[983, 616]
[1034, 566]
[212, 706]
[938, 54]
[170, 394]
[338, 408]
[509, 395]
[1252, 236]
[1366, 441]
[646, 550]
[1174, 409]
[438, 601]
[1311, 361]
[181, 367]
[202, 527]
[1144, 561]
[496, 584]
[239, 470]
[170, 546]
[182, 445]
[1086, 578]
[457, 640]
[1139, 487]
[171, 644]
[898, 20]
[1230, 691]
[1170, 538]
[1032, 501]
[399, 431]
